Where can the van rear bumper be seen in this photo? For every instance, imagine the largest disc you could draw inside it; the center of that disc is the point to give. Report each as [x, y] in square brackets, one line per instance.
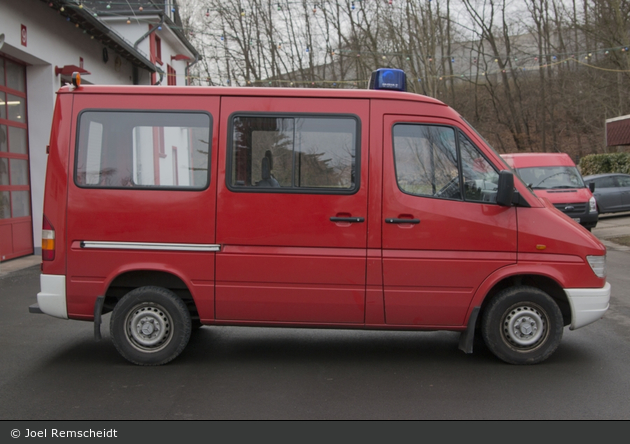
[587, 304]
[52, 297]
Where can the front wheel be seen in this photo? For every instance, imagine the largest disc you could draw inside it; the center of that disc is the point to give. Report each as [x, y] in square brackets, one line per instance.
[150, 326]
[522, 325]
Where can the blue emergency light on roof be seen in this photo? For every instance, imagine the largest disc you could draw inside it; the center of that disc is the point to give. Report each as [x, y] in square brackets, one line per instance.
[386, 78]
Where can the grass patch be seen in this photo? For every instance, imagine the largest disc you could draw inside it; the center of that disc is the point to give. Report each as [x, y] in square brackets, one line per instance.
[621, 240]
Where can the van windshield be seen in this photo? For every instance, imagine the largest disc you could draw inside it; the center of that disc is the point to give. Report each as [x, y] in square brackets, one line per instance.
[547, 178]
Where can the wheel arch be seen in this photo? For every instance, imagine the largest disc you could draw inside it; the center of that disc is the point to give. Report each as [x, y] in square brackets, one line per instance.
[130, 279]
[543, 278]
[544, 283]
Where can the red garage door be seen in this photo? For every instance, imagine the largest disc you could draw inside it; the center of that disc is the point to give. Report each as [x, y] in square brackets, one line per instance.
[16, 237]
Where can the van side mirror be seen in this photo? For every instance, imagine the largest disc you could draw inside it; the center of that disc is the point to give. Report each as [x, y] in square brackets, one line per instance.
[591, 186]
[505, 190]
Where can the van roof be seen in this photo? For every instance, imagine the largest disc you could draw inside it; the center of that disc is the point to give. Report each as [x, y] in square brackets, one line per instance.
[529, 160]
[251, 91]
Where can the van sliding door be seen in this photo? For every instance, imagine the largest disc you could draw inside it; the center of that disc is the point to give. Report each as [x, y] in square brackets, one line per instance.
[291, 210]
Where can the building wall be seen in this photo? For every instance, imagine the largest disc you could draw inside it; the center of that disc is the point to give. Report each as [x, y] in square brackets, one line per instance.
[40, 86]
[52, 41]
[170, 44]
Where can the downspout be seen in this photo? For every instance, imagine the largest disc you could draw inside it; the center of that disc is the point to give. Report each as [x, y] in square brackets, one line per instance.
[135, 46]
[188, 65]
[159, 70]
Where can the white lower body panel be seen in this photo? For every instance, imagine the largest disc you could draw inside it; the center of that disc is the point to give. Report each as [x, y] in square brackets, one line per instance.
[587, 304]
[52, 297]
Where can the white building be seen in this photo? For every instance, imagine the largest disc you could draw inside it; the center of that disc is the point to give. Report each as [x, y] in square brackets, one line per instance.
[42, 43]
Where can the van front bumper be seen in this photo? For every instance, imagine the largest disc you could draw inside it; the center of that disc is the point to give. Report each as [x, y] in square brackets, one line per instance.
[589, 220]
[580, 213]
[587, 304]
[52, 297]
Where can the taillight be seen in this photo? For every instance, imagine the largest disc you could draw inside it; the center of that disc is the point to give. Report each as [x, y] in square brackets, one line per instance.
[48, 241]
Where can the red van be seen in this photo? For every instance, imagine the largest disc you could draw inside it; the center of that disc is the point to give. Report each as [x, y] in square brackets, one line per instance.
[555, 177]
[177, 207]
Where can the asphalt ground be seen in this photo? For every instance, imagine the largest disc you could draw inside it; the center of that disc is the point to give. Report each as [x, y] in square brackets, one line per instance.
[54, 370]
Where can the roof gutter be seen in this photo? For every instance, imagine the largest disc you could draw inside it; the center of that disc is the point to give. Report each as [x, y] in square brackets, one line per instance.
[105, 32]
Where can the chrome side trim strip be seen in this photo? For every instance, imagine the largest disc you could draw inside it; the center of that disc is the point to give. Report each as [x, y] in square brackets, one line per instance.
[149, 246]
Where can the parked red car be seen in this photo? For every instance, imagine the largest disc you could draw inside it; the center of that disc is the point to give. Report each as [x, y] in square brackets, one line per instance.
[555, 177]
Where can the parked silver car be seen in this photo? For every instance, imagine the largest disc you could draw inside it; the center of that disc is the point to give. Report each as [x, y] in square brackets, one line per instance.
[612, 192]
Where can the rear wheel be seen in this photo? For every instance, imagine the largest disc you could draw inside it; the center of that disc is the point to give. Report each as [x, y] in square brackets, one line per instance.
[522, 325]
[150, 326]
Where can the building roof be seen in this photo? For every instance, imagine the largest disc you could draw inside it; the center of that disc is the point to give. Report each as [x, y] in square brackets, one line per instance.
[618, 131]
[87, 13]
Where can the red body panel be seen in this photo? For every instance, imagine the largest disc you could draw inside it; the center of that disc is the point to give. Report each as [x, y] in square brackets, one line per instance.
[578, 195]
[136, 215]
[530, 160]
[56, 194]
[281, 260]
[549, 238]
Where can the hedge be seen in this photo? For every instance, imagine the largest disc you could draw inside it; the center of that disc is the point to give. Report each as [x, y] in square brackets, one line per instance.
[605, 163]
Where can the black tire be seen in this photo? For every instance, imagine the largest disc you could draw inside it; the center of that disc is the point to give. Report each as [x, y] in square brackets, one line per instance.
[522, 325]
[150, 326]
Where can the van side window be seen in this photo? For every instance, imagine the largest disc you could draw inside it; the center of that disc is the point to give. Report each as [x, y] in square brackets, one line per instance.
[428, 159]
[120, 149]
[293, 153]
[623, 181]
[605, 182]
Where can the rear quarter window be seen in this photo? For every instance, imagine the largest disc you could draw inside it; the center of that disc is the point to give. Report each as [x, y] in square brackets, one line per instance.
[143, 149]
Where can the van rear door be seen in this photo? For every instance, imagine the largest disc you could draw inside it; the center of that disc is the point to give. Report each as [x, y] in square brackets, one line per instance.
[442, 232]
[292, 210]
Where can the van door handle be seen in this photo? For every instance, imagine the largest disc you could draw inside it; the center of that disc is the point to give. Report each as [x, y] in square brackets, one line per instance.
[402, 221]
[347, 219]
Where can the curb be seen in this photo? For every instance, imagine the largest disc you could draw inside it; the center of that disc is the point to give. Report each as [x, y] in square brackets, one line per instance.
[9, 267]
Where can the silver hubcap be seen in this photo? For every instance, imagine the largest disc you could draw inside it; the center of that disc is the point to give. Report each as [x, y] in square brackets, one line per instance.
[525, 326]
[149, 327]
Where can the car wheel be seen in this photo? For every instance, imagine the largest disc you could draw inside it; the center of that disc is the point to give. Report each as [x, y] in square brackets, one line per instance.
[150, 326]
[522, 325]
